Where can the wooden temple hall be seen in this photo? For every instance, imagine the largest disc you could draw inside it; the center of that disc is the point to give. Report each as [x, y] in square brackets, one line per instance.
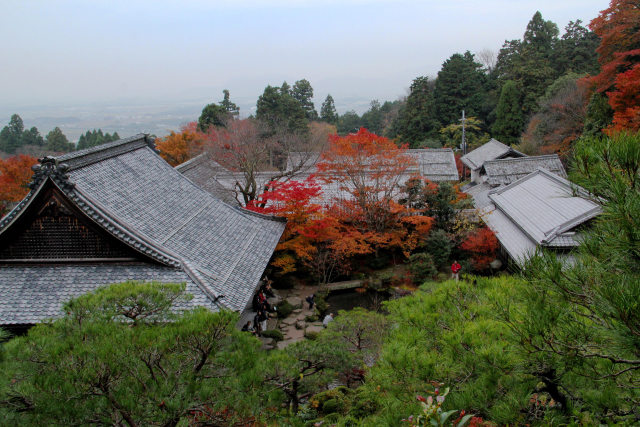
[119, 212]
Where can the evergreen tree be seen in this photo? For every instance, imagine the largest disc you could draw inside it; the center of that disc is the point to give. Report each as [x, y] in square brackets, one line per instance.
[279, 110]
[417, 120]
[540, 36]
[459, 86]
[576, 50]
[509, 119]
[212, 115]
[580, 322]
[95, 137]
[599, 115]
[57, 141]
[32, 137]
[328, 111]
[303, 93]
[120, 356]
[349, 122]
[11, 135]
[229, 106]
[285, 89]
[218, 114]
[529, 63]
[372, 119]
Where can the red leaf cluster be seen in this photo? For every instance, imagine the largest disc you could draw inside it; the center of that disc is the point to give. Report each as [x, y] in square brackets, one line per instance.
[177, 148]
[15, 175]
[482, 244]
[619, 57]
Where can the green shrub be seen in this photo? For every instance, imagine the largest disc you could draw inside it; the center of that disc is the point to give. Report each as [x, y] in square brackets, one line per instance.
[311, 318]
[321, 303]
[422, 267]
[450, 333]
[311, 335]
[276, 334]
[364, 403]
[439, 245]
[334, 400]
[284, 309]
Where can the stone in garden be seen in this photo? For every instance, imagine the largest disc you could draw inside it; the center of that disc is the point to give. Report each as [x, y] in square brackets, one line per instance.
[296, 302]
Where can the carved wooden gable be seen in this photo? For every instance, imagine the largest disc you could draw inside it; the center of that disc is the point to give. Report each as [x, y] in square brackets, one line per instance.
[53, 229]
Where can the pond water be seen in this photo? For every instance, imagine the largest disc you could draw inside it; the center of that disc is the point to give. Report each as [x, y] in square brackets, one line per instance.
[347, 299]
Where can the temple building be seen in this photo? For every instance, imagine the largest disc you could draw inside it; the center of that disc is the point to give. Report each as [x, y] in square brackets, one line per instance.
[119, 212]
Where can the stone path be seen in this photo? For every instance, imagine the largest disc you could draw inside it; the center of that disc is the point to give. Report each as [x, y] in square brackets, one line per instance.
[294, 326]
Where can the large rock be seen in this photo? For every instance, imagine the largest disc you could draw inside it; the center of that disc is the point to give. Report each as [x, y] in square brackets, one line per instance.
[314, 328]
[283, 344]
[296, 302]
[288, 321]
[267, 343]
[300, 324]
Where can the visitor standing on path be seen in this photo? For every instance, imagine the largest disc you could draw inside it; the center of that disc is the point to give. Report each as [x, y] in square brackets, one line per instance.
[311, 300]
[455, 270]
[327, 319]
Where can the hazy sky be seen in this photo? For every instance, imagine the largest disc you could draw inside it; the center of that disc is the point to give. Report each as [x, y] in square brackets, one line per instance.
[91, 51]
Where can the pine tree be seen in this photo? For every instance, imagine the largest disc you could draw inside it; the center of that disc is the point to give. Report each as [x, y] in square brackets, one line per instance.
[417, 121]
[599, 115]
[328, 111]
[57, 141]
[11, 135]
[459, 86]
[229, 106]
[303, 93]
[509, 118]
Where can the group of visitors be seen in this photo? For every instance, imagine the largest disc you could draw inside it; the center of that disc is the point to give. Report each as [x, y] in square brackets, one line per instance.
[262, 308]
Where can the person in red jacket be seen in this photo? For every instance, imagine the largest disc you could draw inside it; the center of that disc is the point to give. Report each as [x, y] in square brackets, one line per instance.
[455, 270]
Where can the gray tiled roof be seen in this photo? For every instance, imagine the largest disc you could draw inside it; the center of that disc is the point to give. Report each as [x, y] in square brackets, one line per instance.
[492, 150]
[31, 294]
[128, 190]
[435, 164]
[539, 209]
[479, 193]
[506, 171]
[209, 175]
[232, 244]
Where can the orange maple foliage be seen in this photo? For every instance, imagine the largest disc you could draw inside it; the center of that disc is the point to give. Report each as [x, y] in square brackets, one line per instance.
[482, 244]
[619, 57]
[368, 170]
[15, 175]
[177, 148]
[312, 238]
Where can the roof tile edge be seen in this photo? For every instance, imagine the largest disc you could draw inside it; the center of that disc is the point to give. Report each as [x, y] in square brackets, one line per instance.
[82, 158]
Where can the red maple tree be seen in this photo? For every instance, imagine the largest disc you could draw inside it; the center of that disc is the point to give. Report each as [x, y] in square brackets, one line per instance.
[482, 244]
[177, 148]
[368, 170]
[619, 57]
[15, 175]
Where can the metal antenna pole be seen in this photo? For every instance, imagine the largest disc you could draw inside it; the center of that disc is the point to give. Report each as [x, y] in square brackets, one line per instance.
[464, 141]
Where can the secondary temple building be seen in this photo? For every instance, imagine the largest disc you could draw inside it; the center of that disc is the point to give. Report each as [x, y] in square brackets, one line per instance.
[434, 164]
[119, 212]
[527, 201]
